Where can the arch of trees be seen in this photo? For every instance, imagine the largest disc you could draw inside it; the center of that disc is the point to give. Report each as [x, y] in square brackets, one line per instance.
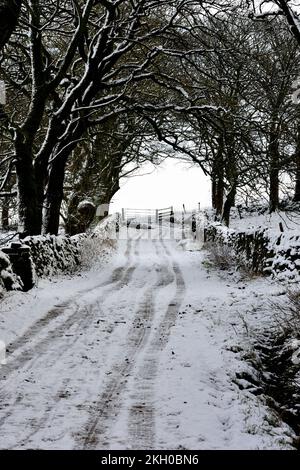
[93, 85]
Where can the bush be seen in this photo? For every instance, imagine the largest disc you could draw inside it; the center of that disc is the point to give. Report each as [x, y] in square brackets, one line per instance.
[221, 256]
[92, 247]
[224, 258]
[287, 313]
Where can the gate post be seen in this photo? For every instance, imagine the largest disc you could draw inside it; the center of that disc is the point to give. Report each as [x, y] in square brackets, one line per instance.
[182, 223]
[172, 216]
[118, 225]
[194, 224]
[160, 226]
[172, 224]
[149, 227]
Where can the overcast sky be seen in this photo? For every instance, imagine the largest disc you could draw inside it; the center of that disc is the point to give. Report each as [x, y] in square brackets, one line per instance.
[171, 184]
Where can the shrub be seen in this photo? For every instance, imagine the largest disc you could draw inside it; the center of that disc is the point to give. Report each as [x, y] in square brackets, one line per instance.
[287, 313]
[91, 248]
[221, 256]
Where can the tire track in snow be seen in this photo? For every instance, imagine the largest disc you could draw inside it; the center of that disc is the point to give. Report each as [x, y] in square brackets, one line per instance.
[27, 358]
[107, 408]
[122, 272]
[78, 317]
[108, 404]
[141, 419]
[68, 345]
[119, 278]
[171, 314]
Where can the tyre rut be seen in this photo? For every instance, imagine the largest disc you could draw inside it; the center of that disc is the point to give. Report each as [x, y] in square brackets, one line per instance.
[141, 418]
[78, 316]
[106, 410]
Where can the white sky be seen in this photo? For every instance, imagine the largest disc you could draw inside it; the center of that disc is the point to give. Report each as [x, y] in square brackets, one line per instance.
[170, 184]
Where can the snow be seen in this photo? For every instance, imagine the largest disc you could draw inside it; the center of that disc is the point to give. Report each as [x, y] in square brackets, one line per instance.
[280, 232]
[269, 222]
[4, 258]
[7, 278]
[85, 204]
[2, 353]
[137, 352]
[2, 93]
[295, 346]
[202, 371]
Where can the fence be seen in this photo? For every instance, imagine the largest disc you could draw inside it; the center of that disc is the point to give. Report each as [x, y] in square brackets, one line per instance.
[165, 214]
[147, 215]
[189, 223]
[138, 215]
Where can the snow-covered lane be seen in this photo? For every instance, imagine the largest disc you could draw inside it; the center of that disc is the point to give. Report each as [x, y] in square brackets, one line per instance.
[56, 361]
[124, 358]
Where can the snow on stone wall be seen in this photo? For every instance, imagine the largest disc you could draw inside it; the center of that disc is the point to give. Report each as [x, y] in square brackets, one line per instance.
[62, 254]
[263, 252]
[285, 262]
[53, 255]
[8, 280]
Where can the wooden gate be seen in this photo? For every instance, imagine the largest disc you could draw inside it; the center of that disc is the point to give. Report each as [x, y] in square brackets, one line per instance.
[148, 215]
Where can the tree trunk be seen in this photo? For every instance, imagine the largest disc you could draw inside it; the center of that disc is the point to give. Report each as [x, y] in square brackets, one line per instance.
[9, 14]
[54, 197]
[217, 195]
[41, 177]
[229, 203]
[220, 196]
[297, 184]
[72, 222]
[98, 179]
[291, 17]
[274, 172]
[274, 188]
[218, 178]
[28, 210]
[297, 163]
[5, 214]
[103, 198]
[213, 191]
[106, 197]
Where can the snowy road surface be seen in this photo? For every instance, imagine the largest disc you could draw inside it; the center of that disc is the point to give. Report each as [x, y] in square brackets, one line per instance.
[135, 354]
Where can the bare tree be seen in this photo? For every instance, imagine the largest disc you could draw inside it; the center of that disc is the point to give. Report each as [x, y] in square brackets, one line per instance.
[81, 64]
[109, 153]
[9, 15]
[272, 8]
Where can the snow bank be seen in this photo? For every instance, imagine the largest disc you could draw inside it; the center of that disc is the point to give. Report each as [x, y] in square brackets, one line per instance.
[62, 254]
[263, 250]
[51, 255]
